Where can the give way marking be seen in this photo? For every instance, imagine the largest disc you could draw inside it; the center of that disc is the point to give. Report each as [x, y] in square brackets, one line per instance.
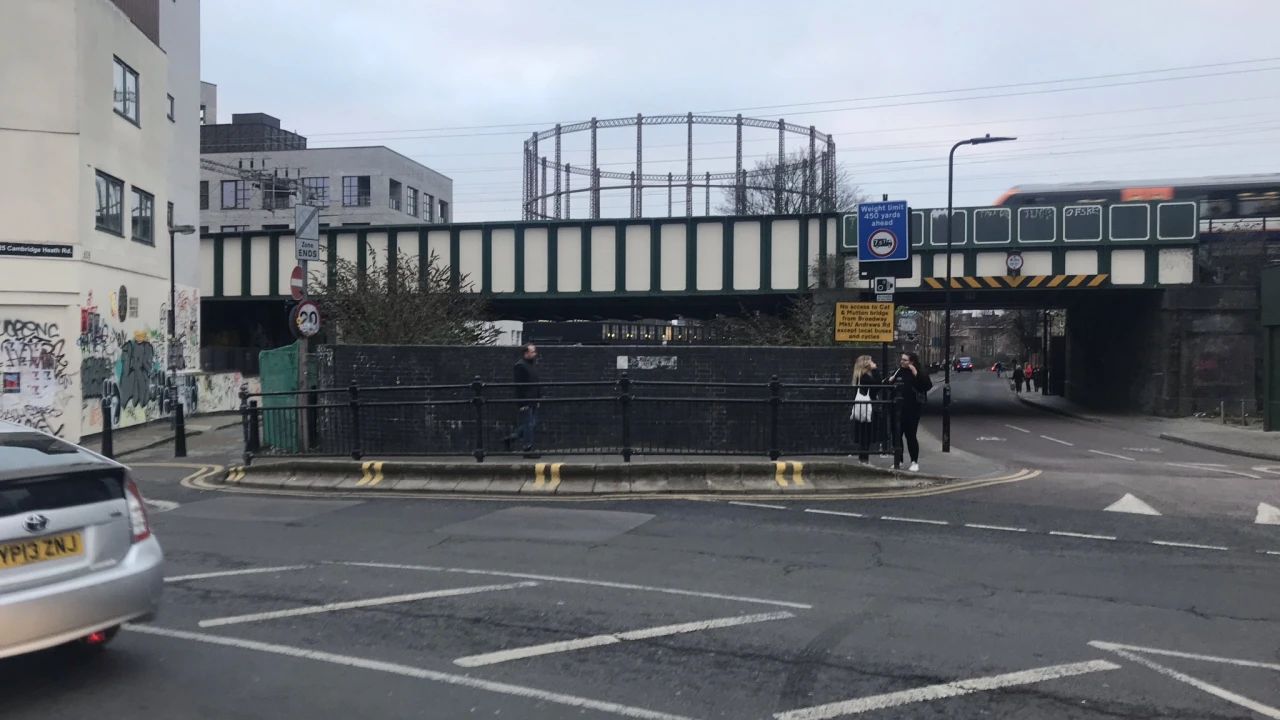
[1136, 654]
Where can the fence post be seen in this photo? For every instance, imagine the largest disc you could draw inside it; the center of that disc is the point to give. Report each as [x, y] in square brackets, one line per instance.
[624, 396]
[108, 444]
[895, 427]
[244, 415]
[353, 393]
[251, 446]
[477, 401]
[775, 405]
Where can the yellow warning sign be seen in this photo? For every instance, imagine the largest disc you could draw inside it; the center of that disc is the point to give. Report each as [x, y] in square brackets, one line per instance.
[864, 322]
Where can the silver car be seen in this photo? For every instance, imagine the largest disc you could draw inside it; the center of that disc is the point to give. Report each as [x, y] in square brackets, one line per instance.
[77, 557]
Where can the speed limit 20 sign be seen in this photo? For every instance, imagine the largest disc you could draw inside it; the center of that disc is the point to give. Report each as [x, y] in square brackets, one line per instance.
[306, 318]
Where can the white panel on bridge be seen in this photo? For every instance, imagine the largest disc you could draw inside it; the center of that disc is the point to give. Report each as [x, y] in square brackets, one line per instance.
[206, 268]
[639, 260]
[915, 280]
[746, 255]
[1177, 266]
[1128, 266]
[568, 259]
[940, 265]
[833, 227]
[710, 256]
[231, 266]
[348, 247]
[1039, 262]
[260, 259]
[288, 254]
[502, 260]
[815, 247]
[991, 264]
[784, 256]
[674, 256]
[375, 247]
[438, 247]
[535, 258]
[1081, 262]
[471, 258]
[604, 259]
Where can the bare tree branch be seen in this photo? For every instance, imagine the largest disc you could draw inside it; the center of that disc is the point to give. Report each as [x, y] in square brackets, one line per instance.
[762, 200]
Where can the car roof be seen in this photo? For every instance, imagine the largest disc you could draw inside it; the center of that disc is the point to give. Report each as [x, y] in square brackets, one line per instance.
[26, 452]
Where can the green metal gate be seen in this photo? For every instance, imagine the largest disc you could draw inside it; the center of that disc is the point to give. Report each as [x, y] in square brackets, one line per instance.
[279, 372]
[1271, 348]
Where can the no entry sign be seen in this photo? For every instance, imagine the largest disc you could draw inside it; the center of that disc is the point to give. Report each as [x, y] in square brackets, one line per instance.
[295, 282]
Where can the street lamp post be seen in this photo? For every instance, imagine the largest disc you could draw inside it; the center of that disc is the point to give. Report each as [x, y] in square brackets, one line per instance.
[179, 424]
[946, 342]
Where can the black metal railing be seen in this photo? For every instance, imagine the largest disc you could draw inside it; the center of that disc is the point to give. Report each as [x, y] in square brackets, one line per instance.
[623, 417]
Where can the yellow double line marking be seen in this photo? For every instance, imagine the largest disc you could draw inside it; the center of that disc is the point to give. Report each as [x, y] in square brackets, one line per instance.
[546, 476]
[371, 473]
[780, 473]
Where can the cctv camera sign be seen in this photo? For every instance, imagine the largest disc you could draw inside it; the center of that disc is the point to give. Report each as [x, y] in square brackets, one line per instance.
[882, 231]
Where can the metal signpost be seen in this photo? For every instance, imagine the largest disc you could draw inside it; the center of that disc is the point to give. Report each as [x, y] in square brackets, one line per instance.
[884, 242]
[306, 243]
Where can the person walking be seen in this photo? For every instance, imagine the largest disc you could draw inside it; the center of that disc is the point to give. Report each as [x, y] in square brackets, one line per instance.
[1030, 373]
[912, 384]
[867, 415]
[1018, 377]
[528, 391]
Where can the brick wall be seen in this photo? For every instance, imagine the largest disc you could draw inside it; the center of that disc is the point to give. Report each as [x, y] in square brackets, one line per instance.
[587, 418]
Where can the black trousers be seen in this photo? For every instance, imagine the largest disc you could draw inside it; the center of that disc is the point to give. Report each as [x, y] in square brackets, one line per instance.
[910, 425]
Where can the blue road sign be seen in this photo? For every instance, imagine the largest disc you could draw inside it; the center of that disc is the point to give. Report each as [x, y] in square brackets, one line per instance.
[882, 231]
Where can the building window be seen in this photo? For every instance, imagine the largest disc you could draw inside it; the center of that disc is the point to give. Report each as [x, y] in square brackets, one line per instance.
[444, 211]
[235, 194]
[276, 195]
[203, 109]
[393, 195]
[235, 228]
[125, 95]
[170, 107]
[204, 194]
[109, 215]
[144, 215]
[204, 229]
[278, 226]
[168, 215]
[411, 201]
[317, 190]
[355, 190]
[428, 207]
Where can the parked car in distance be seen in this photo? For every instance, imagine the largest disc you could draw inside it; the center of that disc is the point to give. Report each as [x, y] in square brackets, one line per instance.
[964, 364]
[77, 556]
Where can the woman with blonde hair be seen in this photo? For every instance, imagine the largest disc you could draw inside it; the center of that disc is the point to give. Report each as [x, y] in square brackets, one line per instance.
[866, 414]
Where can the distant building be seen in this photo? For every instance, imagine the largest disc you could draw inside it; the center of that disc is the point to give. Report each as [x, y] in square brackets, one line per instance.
[99, 138]
[254, 172]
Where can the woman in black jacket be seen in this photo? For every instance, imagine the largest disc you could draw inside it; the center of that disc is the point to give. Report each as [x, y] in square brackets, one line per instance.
[867, 417]
[912, 383]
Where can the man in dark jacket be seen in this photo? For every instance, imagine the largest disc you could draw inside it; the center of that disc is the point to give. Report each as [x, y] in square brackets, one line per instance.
[528, 390]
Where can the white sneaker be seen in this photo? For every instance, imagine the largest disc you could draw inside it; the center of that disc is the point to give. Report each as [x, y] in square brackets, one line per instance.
[915, 467]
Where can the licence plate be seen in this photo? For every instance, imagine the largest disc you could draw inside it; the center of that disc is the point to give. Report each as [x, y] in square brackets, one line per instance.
[25, 552]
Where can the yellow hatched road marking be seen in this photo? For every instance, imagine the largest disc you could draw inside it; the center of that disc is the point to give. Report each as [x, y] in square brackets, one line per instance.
[780, 473]
[555, 476]
[1015, 281]
[933, 283]
[992, 282]
[1075, 281]
[797, 469]
[370, 473]
[1057, 280]
[538, 480]
[972, 282]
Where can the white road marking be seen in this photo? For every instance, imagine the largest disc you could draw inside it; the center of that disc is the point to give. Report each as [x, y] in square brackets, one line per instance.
[834, 512]
[1270, 552]
[757, 505]
[535, 694]
[354, 604]
[1015, 427]
[230, 573]
[1242, 701]
[945, 690]
[1060, 442]
[1268, 469]
[583, 581]
[502, 656]
[161, 505]
[1086, 536]
[1215, 467]
[1185, 655]
[1267, 515]
[892, 518]
[1193, 546]
[1122, 457]
[1144, 450]
[990, 438]
[994, 527]
[1132, 505]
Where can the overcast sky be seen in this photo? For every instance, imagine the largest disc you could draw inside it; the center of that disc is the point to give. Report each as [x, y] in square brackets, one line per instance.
[404, 73]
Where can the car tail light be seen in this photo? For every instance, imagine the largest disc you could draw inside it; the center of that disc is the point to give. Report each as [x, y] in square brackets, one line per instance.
[137, 512]
[96, 638]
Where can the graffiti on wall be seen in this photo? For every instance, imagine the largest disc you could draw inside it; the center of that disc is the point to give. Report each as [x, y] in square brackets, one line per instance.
[33, 369]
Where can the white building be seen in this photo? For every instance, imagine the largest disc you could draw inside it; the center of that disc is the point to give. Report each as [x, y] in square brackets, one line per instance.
[255, 171]
[99, 138]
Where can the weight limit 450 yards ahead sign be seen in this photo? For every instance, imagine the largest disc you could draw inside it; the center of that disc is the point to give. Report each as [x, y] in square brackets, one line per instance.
[864, 322]
[882, 231]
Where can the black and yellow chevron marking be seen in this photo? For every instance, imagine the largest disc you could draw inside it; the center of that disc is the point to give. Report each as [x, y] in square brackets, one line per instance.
[783, 469]
[1019, 281]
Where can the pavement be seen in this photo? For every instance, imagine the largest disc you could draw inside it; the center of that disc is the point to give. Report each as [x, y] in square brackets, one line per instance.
[138, 438]
[1047, 597]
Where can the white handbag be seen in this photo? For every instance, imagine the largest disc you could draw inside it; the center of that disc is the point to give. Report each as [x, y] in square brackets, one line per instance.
[861, 407]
